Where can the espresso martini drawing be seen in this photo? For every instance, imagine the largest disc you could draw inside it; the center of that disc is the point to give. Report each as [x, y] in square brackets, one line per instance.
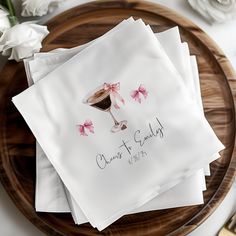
[103, 98]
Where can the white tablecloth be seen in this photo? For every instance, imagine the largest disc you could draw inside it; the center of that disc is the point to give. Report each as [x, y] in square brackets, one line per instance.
[12, 222]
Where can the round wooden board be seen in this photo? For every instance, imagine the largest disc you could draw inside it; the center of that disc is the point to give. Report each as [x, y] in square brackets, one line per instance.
[80, 25]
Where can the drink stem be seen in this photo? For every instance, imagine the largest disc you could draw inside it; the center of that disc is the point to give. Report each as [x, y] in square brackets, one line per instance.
[114, 119]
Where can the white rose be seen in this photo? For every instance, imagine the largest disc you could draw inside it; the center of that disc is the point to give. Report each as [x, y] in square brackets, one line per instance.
[4, 20]
[22, 40]
[38, 7]
[215, 10]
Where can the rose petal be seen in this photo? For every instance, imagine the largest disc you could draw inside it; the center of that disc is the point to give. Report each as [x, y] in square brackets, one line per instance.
[38, 7]
[22, 40]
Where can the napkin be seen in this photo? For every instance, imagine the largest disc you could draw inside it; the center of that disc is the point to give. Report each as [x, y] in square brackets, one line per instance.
[50, 194]
[189, 192]
[54, 106]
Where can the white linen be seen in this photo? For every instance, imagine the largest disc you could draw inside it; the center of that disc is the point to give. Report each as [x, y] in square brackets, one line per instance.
[43, 106]
[188, 193]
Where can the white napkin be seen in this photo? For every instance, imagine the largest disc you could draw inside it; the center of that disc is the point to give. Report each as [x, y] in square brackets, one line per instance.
[188, 193]
[52, 105]
[50, 195]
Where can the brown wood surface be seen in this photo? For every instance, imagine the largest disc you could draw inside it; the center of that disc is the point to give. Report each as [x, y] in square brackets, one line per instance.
[78, 26]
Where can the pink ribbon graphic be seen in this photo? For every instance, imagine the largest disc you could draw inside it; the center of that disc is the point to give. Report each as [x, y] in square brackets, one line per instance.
[135, 94]
[88, 125]
[114, 95]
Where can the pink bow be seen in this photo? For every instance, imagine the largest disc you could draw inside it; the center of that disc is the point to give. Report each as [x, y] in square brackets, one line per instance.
[135, 94]
[88, 125]
[114, 95]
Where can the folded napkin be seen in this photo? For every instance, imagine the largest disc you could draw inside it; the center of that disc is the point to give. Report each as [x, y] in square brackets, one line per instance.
[189, 192]
[152, 149]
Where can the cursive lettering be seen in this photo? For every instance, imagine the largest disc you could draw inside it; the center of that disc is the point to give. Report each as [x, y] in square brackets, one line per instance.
[141, 138]
[128, 148]
[102, 161]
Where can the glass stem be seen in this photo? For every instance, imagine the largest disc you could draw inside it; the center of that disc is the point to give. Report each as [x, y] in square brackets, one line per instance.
[114, 119]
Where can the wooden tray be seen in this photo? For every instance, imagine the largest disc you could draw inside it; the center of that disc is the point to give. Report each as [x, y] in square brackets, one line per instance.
[80, 25]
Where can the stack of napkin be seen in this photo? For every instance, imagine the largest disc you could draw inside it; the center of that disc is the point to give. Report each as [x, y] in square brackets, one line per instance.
[119, 125]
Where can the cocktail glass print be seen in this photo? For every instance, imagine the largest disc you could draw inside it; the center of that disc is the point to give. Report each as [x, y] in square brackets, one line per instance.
[103, 98]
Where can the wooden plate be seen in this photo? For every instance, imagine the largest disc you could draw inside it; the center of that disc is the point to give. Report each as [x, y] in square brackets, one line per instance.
[80, 25]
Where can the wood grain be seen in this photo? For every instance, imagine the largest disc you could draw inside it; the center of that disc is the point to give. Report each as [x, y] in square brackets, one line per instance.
[80, 25]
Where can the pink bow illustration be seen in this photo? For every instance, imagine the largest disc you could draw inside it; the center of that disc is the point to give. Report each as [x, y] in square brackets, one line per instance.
[135, 94]
[88, 125]
[114, 95]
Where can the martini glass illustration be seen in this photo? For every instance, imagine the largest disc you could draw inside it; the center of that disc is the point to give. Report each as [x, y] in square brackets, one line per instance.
[101, 100]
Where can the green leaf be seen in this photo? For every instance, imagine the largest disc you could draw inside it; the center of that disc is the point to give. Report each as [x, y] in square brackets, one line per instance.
[3, 3]
[11, 10]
